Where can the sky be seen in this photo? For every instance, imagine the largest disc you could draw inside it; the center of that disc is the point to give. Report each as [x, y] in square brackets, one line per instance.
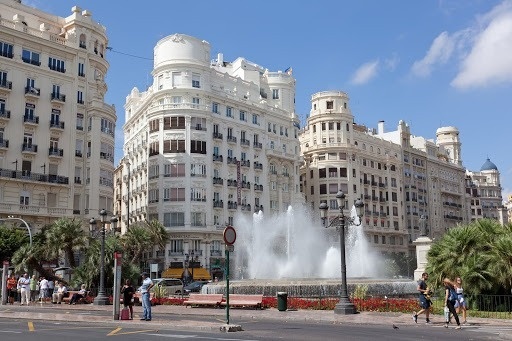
[431, 63]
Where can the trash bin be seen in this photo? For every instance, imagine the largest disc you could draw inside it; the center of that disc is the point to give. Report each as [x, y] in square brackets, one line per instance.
[282, 301]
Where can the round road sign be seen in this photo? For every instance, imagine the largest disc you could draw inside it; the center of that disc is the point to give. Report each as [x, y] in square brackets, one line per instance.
[229, 235]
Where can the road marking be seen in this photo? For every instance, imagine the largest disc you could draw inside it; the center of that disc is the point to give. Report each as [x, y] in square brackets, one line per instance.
[31, 326]
[184, 336]
[9, 331]
[117, 332]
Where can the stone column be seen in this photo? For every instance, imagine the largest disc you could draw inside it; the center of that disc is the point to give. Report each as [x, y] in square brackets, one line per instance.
[423, 244]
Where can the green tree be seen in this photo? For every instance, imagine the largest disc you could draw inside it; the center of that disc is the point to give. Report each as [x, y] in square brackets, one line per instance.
[479, 252]
[158, 234]
[11, 239]
[136, 241]
[66, 236]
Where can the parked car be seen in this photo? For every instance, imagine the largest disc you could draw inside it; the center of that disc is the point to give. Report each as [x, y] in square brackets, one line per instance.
[170, 286]
[194, 286]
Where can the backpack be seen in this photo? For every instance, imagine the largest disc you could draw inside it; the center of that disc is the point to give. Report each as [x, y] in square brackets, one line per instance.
[453, 295]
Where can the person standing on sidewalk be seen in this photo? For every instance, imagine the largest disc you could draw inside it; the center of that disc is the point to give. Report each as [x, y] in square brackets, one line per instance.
[127, 290]
[44, 292]
[12, 290]
[450, 297]
[33, 288]
[24, 285]
[425, 302]
[145, 288]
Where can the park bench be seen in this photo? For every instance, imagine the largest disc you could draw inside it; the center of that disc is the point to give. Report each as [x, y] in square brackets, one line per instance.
[243, 301]
[67, 297]
[203, 299]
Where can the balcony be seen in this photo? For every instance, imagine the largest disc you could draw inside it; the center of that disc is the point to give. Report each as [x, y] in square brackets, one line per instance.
[258, 187]
[5, 115]
[218, 204]
[246, 207]
[245, 163]
[257, 145]
[31, 176]
[246, 184]
[217, 136]
[231, 139]
[78, 153]
[232, 205]
[258, 165]
[245, 142]
[31, 120]
[232, 160]
[29, 148]
[55, 97]
[56, 125]
[55, 152]
[4, 144]
[218, 181]
[6, 85]
[217, 158]
[200, 127]
[232, 183]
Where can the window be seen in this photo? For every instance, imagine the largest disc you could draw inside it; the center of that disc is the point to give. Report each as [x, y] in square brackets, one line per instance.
[24, 198]
[229, 112]
[80, 97]
[29, 112]
[30, 57]
[243, 116]
[107, 127]
[198, 169]
[323, 189]
[154, 125]
[56, 65]
[154, 148]
[4, 83]
[174, 170]
[255, 119]
[333, 172]
[81, 68]
[330, 105]
[176, 79]
[198, 218]
[173, 219]
[215, 107]
[196, 80]
[195, 102]
[198, 194]
[198, 147]
[176, 194]
[174, 146]
[6, 50]
[275, 93]
[174, 122]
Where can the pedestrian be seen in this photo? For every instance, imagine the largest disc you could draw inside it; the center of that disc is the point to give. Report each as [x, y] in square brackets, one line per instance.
[450, 297]
[77, 296]
[33, 288]
[24, 285]
[60, 293]
[461, 304]
[127, 290]
[424, 298]
[51, 287]
[44, 294]
[12, 289]
[145, 288]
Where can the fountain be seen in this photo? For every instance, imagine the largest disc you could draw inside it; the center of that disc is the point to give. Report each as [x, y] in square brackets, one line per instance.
[292, 252]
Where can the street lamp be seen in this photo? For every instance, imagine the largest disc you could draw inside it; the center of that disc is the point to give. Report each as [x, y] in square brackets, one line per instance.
[192, 257]
[344, 306]
[101, 298]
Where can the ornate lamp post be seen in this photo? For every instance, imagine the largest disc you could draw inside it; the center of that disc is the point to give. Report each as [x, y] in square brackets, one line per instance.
[101, 298]
[344, 306]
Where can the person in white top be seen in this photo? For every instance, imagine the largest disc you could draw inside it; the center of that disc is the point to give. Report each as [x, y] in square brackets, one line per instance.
[61, 291]
[461, 303]
[24, 285]
[43, 290]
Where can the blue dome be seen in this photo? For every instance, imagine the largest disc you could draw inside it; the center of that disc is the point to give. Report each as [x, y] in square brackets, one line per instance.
[488, 166]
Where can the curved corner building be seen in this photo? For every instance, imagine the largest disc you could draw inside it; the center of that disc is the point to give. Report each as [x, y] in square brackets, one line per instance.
[209, 139]
[56, 131]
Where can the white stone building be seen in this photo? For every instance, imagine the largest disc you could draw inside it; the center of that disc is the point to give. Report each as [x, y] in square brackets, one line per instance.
[209, 139]
[56, 131]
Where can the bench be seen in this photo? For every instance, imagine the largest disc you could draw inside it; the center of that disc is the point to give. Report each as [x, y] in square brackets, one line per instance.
[203, 299]
[67, 297]
[238, 300]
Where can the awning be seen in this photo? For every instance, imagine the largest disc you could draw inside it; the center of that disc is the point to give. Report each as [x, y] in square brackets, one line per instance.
[201, 274]
[173, 273]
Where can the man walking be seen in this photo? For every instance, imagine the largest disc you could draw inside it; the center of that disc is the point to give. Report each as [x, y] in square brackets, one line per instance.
[424, 298]
[146, 286]
[24, 285]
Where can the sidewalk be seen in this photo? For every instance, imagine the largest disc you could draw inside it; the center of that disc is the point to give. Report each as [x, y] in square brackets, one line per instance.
[214, 318]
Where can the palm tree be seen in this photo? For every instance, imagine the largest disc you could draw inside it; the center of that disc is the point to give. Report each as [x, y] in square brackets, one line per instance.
[29, 258]
[158, 234]
[136, 241]
[67, 236]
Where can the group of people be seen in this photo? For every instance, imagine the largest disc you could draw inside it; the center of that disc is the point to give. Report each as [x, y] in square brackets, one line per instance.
[454, 301]
[128, 292]
[27, 289]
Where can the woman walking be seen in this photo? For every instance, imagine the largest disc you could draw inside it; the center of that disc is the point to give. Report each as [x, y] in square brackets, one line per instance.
[461, 303]
[450, 297]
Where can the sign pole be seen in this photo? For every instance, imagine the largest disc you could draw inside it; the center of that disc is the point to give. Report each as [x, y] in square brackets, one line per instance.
[229, 238]
[5, 270]
[118, 259]
[227, 285]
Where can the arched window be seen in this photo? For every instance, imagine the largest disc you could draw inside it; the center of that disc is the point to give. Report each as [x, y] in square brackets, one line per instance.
[83, 43]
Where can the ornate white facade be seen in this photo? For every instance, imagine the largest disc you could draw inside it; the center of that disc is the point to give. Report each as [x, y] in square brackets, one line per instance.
[56, 131]
[209, 139]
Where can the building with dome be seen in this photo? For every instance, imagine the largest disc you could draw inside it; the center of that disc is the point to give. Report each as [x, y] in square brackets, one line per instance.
[484, 193]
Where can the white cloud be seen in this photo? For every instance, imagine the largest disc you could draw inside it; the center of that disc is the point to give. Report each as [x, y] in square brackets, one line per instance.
[365, 73]
[391, 63]
[439, 53]
[489, 60]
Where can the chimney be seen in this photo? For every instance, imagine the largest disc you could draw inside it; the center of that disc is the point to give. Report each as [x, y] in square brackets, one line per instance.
[220, 59]
[380, 127]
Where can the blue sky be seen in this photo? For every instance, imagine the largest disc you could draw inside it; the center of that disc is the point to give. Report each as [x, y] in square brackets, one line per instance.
[430, 63]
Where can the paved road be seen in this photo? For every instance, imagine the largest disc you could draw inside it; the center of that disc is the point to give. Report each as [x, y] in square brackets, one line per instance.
[87, 322]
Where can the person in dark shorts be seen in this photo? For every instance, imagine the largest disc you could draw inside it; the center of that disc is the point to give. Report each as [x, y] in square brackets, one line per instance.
[127, 290]
[425, 302]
